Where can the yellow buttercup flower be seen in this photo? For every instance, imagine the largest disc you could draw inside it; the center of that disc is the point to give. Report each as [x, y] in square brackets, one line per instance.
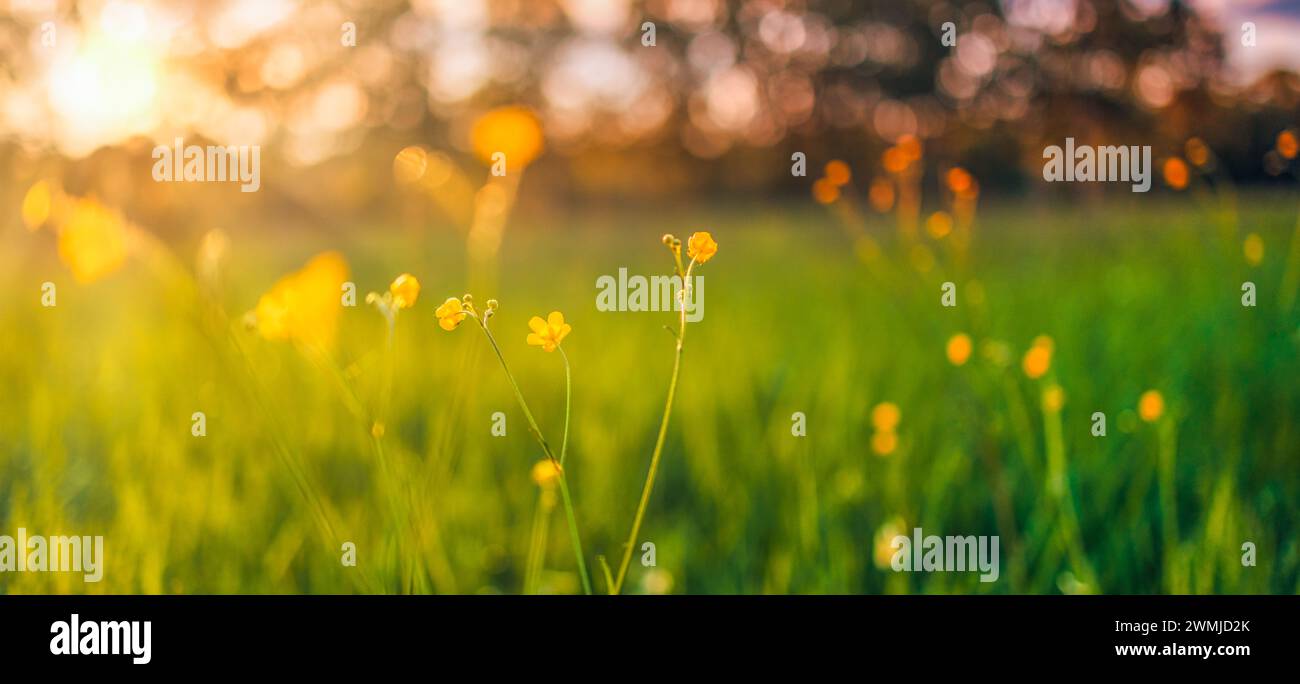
[513, 131]
[36, 205]
[939, 224]
[884, 542]
[838, 173]
[1151, 405]
[959, 348]
[92, 243]
[884, 443]
[405, 289]
[546, 472]
[1253, 248]
[1287, 144]
[304, 305]
[885, 416]
[451, 313]
[1053, 398]
[701, 247]
[1039, 357]
[548, 333]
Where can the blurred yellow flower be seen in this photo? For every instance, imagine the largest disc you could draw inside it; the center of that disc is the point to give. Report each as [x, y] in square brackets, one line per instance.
[884, 542]
[450, 313]
[405, 289]
[36, 205]
[546, 472]
[701, 246]
[1197, 152]
[838, 173]
[959, 180]
[548, 333]
[885, 416]
[1151, 405]
[881, 195]
[959, 348]
[824, 191]
[1053, 398]
[1253, 248]
[1039, 357]
[1175, 171]
[939, 224]
[92, 243]
[884, 443]
[512, 130]
[894, 160]
[1287, 144]
[304, 306]
[910, 146]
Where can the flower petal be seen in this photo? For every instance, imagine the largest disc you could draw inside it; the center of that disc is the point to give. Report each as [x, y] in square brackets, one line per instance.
[537, 325]
[555, 320]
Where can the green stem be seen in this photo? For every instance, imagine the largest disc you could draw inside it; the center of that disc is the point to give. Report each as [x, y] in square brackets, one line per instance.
[568, 402]
[546, 448]
[1059, 487]
[659, 445]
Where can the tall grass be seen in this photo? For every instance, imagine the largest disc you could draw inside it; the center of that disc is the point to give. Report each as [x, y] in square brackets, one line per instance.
[95, 425]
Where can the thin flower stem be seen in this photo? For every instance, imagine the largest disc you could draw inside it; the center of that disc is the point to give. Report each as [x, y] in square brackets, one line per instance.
[573, 534]
[519, 395]
[546, 448]
[568, 402]
[659, 443]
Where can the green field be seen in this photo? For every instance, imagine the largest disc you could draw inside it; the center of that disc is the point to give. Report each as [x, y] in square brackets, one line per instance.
[95, 422]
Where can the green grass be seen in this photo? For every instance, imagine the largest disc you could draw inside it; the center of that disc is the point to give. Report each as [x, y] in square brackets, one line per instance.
[95, 420]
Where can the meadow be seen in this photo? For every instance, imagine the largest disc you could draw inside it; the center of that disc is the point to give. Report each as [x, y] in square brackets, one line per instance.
[390, 446]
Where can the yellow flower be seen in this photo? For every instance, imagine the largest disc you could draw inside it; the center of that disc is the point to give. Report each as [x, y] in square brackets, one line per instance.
[824, 191]
[939, 224]
[881, 195]
[548, 333]
[701, 246]
[405, 289]
[1253, 248]
[884, 443]
[450, 314]
[959, 348]
[838, 173]
[304, 305]
[36, 205]
[1151, 406]
[513, 131]
[1039, 357]
[1197, 152]
[1175, 173]
[884, 417]
[1053, 398]
[93, 241]
[1287, 144]
[959, 180]
[884, 542]
[545, 472]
